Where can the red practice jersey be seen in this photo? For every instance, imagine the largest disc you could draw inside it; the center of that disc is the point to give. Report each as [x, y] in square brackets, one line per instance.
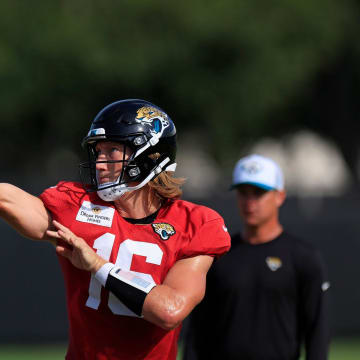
[101, 327]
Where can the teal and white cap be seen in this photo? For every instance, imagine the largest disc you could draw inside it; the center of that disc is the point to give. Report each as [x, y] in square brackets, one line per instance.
[259, 171]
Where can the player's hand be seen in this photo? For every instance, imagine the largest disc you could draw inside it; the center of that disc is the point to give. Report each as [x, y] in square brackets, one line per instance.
[75, 249]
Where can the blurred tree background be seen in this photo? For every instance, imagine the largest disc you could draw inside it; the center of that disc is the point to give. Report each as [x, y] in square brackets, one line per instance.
[230, 71]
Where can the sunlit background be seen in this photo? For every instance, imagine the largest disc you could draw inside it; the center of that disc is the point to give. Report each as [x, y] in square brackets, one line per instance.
[280, 79]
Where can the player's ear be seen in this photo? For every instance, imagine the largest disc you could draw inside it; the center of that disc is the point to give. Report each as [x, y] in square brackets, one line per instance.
[280, 198]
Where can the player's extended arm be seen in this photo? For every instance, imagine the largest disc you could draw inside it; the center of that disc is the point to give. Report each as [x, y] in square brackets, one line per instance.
[165, 305]
[24, 212]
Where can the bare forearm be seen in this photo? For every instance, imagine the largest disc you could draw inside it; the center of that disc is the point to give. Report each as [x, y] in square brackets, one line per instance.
[169, 304]
[24, 212]
[166, 308]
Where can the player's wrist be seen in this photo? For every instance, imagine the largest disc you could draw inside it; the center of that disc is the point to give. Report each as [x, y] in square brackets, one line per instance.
[102, 274]
[98, 264]
[129, 288]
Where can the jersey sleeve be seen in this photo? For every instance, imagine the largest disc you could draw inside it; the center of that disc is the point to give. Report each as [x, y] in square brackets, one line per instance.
[59, 200]
[210, 238]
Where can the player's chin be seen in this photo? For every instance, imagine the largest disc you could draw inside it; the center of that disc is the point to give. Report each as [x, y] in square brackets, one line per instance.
[106, 180]
[251, 220]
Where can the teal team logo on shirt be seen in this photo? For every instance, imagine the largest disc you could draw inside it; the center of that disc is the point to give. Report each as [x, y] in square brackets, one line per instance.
[274, 263]
[164, 230]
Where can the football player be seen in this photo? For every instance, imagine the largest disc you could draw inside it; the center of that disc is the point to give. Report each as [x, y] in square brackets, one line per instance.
[134, 257]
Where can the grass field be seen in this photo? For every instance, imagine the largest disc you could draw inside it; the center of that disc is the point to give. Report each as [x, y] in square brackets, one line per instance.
[341, 349]
[345, 349]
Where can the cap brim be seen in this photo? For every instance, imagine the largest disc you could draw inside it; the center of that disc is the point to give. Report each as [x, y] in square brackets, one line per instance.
[259, 185]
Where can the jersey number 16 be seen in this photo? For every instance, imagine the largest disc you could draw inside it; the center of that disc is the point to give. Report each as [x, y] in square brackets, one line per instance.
[104, 245]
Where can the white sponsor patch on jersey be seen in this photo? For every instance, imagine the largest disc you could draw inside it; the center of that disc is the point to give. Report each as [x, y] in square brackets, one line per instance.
[325, 285]
[225, 228]
[95, 214]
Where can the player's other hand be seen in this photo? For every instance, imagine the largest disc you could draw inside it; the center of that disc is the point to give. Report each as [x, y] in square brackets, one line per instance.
[75, 249]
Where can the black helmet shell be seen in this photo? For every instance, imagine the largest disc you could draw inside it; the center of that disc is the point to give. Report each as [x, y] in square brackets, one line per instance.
[140, 125]
[135, 122]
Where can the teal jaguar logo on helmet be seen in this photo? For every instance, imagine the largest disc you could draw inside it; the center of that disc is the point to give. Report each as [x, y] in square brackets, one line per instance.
[151, 115]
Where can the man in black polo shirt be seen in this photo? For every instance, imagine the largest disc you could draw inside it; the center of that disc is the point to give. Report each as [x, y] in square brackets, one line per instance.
[268, 295]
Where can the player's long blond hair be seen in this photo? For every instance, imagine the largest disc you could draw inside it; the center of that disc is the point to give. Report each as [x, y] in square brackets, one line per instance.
[166, 185]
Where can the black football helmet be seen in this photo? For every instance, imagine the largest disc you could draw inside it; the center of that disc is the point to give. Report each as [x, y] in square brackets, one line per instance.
[145, 129]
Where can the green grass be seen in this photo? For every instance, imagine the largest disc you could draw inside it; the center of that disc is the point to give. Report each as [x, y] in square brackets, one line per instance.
[345, 349]
[341, 349]
[32, 352]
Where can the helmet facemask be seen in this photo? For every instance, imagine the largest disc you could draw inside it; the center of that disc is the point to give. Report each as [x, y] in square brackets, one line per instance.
[136, 171]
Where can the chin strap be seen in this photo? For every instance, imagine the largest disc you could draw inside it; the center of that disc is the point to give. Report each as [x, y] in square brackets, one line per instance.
[114, 192]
